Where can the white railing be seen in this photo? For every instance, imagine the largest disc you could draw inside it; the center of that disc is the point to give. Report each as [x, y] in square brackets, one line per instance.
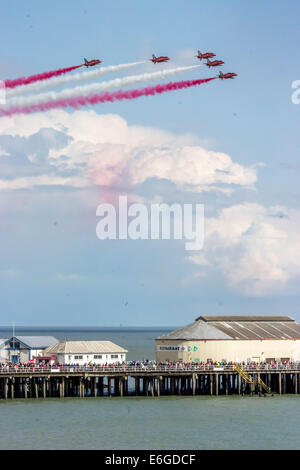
[170, 368]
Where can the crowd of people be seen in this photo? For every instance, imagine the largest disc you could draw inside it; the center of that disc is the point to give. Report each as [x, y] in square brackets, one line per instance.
[146, 364]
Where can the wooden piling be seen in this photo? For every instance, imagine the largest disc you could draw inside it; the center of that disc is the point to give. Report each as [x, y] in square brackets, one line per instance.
[158, 386]
[211, 384]
[226, 383]
[95, 386]
[81, 387]
[137, 385]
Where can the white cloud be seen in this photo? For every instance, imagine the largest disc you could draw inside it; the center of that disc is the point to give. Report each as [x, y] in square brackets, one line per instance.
[256, 249]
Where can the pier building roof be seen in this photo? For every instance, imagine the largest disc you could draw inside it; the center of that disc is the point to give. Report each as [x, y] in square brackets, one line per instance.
[36, 342]
[84, 347]
[237, 327]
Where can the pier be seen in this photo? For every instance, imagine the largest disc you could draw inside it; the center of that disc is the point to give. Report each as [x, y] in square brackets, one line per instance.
[41, 383]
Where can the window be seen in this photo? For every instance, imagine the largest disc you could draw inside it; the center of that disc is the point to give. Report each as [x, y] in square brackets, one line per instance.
[114, 356]
[97, 356]
[78, 357]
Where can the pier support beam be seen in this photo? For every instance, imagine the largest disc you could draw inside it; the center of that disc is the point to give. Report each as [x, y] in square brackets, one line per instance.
[151, 387]
[81, 387]
[158, 386]
[284, 383]
[6, 389]
[100, 386]
[211, 384]
[239, 384]
[172, 379]
[137, 386]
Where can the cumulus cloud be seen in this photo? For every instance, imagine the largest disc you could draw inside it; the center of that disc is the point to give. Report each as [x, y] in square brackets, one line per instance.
[87, 149]
[10, 273]
[257, 249]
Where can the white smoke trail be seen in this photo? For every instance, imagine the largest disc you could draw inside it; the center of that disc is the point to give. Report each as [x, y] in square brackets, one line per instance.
[94, 87]
[62, 80]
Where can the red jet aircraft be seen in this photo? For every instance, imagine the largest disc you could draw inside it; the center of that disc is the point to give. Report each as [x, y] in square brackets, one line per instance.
[214, 63]
[227, 75]
[159, 59]
[91, 63]
[206, 55]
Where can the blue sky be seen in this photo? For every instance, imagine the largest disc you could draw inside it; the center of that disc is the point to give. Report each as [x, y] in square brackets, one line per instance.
[54, 271]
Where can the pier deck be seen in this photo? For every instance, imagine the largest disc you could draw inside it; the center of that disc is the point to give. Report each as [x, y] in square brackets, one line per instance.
[156, 381]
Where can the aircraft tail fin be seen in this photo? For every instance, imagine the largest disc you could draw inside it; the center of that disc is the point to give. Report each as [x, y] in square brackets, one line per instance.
[85, 61]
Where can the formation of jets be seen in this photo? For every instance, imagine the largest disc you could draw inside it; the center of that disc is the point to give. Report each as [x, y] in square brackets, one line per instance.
[161, 58]
[200, 55]
[214, 63]
[224, 76]
[205, 55]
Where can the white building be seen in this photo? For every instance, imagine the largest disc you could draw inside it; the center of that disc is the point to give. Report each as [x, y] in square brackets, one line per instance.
[3, 353]
[85, 352]
[24, 348]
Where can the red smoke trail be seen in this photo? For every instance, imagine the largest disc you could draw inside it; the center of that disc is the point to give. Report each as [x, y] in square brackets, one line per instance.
[38, 77]
[105, 97]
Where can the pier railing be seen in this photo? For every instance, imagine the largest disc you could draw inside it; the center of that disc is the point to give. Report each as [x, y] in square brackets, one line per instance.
[170, 368]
